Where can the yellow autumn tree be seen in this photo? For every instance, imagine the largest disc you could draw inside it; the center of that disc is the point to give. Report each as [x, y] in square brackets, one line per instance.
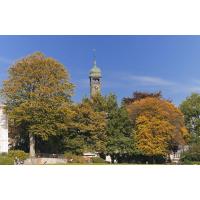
[159, 126]
[37, 96]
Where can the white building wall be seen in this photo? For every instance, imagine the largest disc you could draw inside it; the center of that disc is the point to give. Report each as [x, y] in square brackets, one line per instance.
[3, 131]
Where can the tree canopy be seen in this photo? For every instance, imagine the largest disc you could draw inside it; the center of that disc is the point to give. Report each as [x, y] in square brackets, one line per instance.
[191, 110]
[87, 133]
[37, 96]
[141, 95]
[159, 125]
[119, 129]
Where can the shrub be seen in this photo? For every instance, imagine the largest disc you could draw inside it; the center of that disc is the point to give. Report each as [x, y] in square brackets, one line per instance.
[78, 159]
[68, 155]
[185, 161]
[195, 163]
[188, 162]
[192, 155]
[21, 155]
[6, 160]
[72, 158]
[98, 160]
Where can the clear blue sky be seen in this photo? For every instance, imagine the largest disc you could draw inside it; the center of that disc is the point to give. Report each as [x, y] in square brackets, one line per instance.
[128, 63]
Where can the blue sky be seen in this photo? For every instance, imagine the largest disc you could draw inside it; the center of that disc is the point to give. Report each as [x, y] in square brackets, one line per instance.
[128, 63]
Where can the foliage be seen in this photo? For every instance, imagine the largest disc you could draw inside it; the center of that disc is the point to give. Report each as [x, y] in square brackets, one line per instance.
[54, 145]
[191, 110]
[159, 125]
[21, 155]
[187, 162]
[37, 96]
[119, 129]
[104, 103]
[78, 159]
[97, 160]
[193, 154]
[73, 158]
[120, 133]
[141, 95]
[19, 138]
[6, 160]
[100, 125]
[88, 130]
[68, 155]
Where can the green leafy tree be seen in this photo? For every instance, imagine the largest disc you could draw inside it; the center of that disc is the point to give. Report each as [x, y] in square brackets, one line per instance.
[103, 103]
[37, 95]
[120, 138]
[88, 130]
[119, 129]
[191, 110]
[192, 154]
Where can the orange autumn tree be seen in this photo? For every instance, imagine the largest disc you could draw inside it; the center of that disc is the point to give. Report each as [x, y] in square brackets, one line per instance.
[159, 125]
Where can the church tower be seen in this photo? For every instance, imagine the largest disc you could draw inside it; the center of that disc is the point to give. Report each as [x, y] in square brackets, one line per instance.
[95, 79]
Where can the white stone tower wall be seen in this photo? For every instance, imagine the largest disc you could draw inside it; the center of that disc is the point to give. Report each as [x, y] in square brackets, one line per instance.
[3, 131]
[95, 86]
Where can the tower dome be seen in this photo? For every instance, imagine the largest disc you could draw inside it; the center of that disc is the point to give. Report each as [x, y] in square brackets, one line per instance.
[95, 71]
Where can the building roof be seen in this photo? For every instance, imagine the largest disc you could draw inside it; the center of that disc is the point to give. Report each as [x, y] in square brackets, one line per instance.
[95, 71]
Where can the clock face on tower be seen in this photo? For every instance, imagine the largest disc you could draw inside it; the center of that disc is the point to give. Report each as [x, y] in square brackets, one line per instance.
[96, 87]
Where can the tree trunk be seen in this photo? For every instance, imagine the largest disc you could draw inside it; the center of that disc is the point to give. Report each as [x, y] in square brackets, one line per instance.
[32, 145]
[153, 160]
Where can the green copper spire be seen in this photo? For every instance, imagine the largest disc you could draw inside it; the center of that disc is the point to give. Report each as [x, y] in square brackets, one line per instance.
[95, 71]
[94, 57]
